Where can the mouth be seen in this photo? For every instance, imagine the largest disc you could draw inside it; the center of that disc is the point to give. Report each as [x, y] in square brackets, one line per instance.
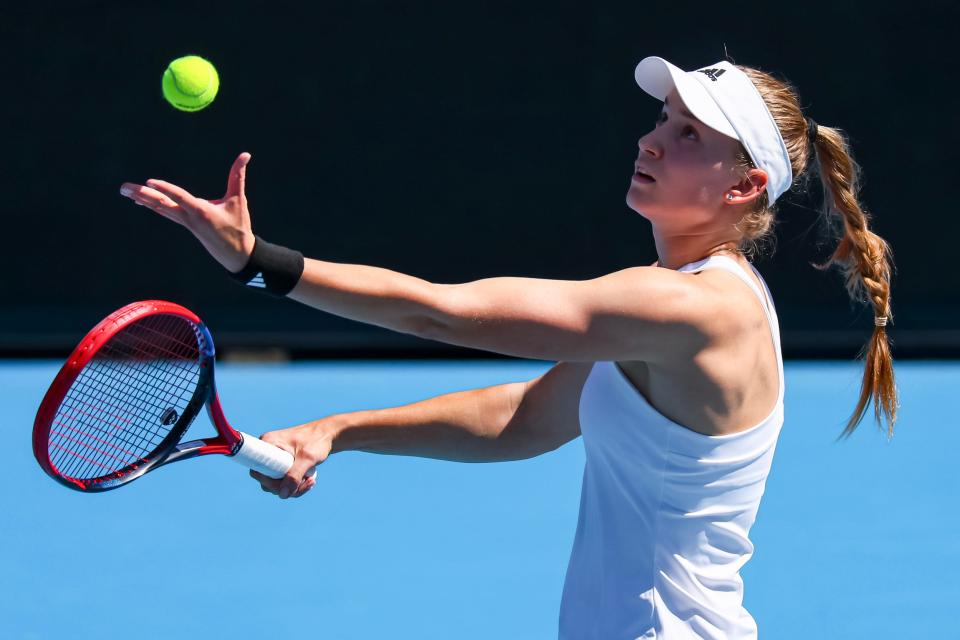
[640, 176]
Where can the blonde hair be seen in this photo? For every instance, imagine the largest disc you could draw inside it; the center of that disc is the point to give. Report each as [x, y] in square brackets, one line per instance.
[864, 259]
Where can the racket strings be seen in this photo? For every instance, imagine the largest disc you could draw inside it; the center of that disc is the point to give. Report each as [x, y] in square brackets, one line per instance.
[111, 372]
[127, 398]
[126, 442]
[110, 440]
[99, 428]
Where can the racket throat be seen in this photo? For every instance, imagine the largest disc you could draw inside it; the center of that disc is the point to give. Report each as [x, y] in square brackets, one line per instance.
[194, 448]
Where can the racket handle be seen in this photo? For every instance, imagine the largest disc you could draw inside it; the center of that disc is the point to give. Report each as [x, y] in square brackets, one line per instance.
[261, 456]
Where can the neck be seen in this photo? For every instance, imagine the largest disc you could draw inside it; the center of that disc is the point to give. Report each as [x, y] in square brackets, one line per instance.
[676, 251]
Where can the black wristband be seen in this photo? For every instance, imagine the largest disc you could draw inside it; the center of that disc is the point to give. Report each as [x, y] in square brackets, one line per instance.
[271, 268]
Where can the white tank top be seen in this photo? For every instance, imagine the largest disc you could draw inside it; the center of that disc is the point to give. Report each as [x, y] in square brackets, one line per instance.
[665, 512]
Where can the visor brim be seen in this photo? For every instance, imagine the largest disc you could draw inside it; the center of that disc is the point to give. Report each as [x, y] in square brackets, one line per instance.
[658, 77]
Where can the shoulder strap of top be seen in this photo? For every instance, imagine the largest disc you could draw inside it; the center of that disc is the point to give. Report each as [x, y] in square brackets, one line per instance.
[731, 265]
[766, 298]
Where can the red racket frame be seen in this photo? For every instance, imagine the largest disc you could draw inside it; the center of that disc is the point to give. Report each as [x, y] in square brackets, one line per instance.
[226, 442]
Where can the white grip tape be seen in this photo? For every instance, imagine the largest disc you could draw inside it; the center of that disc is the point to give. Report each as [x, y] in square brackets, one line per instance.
[260, 456]
[264, 457]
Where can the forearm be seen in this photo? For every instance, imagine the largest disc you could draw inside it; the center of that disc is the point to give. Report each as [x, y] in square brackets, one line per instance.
[466, 426]
[368, 294]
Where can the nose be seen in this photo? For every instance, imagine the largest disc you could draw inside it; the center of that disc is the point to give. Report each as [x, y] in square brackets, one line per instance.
[648, 145]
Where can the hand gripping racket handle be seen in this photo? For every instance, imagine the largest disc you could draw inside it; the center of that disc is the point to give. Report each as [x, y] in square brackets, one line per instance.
[262, 456]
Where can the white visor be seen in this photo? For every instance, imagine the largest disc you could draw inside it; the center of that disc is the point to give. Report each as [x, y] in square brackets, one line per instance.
[723, 98]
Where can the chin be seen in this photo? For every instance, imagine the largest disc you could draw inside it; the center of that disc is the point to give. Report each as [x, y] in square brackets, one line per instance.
[639, 204]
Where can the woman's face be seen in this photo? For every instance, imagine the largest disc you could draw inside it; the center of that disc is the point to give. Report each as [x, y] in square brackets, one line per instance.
[693, 168]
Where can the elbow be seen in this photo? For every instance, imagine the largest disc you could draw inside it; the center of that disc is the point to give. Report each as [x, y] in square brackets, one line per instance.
[429, 327]
[511, 447]
[436, 318]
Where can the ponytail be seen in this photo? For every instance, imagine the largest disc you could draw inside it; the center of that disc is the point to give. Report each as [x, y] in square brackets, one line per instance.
[864, 259]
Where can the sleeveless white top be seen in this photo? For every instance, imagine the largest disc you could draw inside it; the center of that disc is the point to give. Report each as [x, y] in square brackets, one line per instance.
[665, 511]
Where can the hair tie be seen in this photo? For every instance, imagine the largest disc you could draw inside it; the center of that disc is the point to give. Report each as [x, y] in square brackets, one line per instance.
[812, 132]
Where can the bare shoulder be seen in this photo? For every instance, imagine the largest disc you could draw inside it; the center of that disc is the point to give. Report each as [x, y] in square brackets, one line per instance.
[695, 309]
[639, 313]
[679, 314]
[739, 306]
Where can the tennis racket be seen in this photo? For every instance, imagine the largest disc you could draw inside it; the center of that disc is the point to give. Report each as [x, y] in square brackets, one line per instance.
[126, 396]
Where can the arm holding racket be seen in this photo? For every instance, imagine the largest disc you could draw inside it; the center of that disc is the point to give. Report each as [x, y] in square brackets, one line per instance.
[513, 421]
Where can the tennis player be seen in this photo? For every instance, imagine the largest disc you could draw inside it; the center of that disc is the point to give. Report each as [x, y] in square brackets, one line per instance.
[672, 372]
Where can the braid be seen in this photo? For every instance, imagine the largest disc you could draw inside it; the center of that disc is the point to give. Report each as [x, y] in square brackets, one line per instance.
[864, 259]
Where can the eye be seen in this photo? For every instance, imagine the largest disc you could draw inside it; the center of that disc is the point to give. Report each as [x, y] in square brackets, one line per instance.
[685, 131]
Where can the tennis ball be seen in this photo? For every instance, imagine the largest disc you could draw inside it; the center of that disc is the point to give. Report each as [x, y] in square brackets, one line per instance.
[190, 83]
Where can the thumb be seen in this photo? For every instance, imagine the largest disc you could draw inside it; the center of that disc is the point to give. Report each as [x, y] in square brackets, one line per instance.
[305, 486]
[302, 469]
[237, 181]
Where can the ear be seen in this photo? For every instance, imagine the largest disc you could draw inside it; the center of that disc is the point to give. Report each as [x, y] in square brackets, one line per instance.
[748, 189]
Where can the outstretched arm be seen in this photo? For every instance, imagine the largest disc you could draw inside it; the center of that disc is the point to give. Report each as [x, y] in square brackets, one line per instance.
[511, 421]
[367, 294]
[641, 313]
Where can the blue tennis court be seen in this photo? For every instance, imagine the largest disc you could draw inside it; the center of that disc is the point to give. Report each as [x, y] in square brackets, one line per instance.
[853, 540]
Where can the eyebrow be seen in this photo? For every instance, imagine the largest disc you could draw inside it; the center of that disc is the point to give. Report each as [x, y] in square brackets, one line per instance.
[683, 111]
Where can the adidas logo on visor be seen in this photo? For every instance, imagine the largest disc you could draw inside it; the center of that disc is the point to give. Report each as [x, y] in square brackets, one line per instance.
[713, 74]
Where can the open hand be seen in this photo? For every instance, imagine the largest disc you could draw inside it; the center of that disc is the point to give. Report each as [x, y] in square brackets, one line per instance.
[222, 226]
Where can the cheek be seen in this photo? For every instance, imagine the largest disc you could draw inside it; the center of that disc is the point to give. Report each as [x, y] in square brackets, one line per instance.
[687, 183]
[700, 177]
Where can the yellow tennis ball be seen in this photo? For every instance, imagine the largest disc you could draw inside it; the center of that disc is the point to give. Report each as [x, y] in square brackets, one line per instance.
[190, 83]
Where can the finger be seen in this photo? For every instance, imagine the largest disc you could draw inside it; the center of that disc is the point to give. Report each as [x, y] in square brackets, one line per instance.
[180, 196]
[129, 188]
[302, 468]
[156, 197]
[309, 479]
[305, 486]
[267, 483]
[292, 483]
[143, 194]
[152, 198]
[174, 213]
[236, 183]
[288, 487]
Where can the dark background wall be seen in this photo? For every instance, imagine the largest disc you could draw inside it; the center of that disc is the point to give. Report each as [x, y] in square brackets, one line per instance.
[451, 141]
